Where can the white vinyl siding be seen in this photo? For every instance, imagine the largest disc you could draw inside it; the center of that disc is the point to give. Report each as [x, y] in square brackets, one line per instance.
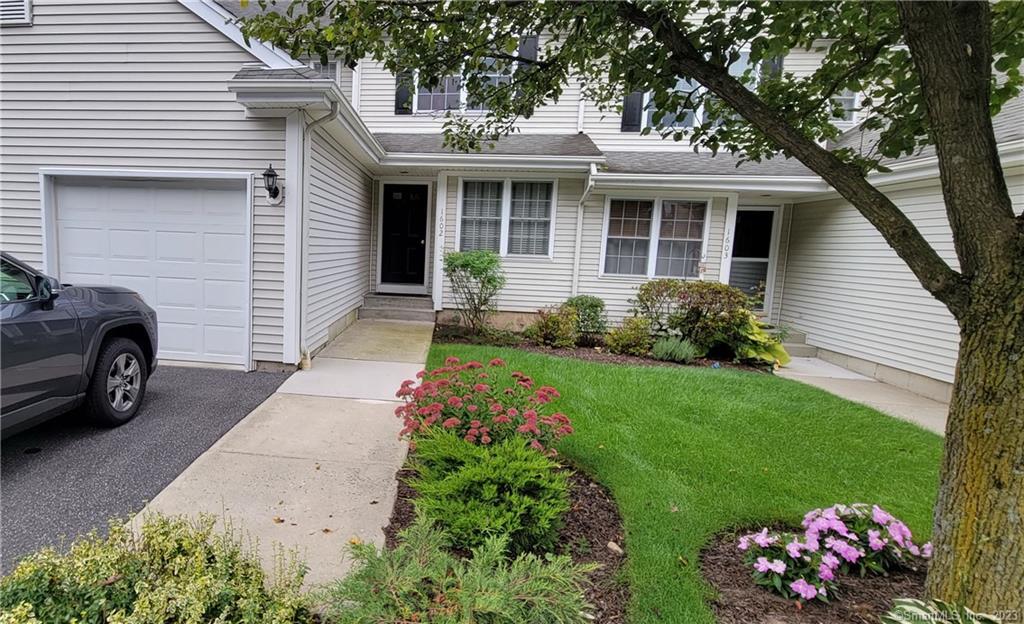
[337, 238]
[133, 85]
[850, 292]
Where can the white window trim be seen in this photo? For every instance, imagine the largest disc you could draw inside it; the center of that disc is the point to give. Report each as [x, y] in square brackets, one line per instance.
[698, 113]
[655, 238]
[506, 212]
[463, 94]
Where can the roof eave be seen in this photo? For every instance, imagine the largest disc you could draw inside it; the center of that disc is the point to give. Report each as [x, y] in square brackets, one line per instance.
[491, 161]
[215, 15]
[733, 183]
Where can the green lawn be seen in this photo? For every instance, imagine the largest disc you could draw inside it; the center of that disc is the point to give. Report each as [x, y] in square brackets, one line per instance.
[688, 452]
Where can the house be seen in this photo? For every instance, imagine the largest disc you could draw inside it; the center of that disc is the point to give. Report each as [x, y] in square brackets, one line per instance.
[135, 135]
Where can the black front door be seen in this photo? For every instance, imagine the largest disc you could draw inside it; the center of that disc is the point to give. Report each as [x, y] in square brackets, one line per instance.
[403, 234]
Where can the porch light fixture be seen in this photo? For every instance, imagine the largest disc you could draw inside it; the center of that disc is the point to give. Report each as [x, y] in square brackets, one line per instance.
[270, 183]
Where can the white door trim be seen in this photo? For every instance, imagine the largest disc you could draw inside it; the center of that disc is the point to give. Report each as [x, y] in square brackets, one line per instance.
[48, 176]
[773, 247]
[404, 289]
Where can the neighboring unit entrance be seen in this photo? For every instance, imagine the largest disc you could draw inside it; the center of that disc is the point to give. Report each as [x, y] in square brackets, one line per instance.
[403, 237]
[752, 265]
[183, 244]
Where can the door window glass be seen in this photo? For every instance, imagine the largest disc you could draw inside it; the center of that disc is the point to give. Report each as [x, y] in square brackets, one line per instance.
[15, 284]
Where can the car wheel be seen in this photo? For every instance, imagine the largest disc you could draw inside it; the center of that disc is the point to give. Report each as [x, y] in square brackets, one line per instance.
[118, 383]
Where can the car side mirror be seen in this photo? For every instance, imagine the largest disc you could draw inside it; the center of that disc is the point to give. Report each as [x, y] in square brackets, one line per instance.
[45, 289]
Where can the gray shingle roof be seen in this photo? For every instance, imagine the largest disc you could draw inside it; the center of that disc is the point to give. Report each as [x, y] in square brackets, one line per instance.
[514, 144]
[254, 72]
[688, 162]
[1008, 126]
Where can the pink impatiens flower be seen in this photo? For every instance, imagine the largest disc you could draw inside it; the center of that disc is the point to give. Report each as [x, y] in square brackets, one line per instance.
[875, 541]
[926, 550]
[879, 515]
[763, 540]
[899, 533]
[826, 573]
[744, 543]
[804, 589]
[763, 565]
[793, 549]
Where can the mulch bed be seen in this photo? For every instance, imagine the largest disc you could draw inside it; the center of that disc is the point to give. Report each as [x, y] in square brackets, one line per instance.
[592, 522]
[454, 334]
[740, 601]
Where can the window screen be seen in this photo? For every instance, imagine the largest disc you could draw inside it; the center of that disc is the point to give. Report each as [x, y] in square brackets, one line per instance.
[481, 216]
[680, 238]
[530, 219]
[629, 234]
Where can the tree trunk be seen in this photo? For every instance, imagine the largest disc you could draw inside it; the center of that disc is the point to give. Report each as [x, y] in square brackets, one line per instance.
[979, 516]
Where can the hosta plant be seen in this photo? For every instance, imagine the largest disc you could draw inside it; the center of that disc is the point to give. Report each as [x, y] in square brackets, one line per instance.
[911, 611]
[482, 404]
[839, 540]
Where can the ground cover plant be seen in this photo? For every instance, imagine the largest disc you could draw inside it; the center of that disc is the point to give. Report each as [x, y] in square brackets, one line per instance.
[175, 570]
[690, 452]
[421, 581]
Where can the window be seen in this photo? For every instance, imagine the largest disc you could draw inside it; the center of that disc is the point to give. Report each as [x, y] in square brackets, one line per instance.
[507, 216]
[529, 226]
[444, 97]
[629, 236]
[674, 228]
[848, 100]
[491, 79]
[680, 239]
[15, 284]
[329, 70]
[686, 117]
[481, 215]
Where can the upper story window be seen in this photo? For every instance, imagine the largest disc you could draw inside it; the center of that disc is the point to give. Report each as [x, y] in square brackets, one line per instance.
[15, 12]
[850, 101]
[450, 94]
[689, 117]
[674, 229]
[330, 69]
[510, 217]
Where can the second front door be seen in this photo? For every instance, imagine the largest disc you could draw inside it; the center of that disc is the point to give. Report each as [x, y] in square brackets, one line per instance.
[403, 236]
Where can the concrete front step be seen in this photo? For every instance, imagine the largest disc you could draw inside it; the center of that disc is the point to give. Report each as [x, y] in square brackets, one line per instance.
[800, 349]
[384, 312]
[408, 302]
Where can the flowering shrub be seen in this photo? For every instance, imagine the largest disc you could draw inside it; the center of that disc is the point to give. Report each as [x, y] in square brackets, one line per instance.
[842, 539]
[482, 404]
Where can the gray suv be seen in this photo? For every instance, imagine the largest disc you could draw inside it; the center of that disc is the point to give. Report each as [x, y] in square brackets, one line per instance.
[64, 346]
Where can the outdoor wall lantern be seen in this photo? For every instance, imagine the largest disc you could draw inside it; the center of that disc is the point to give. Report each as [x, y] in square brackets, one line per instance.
[274, 191]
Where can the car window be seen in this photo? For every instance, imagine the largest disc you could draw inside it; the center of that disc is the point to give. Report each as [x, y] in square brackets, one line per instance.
[15, 283]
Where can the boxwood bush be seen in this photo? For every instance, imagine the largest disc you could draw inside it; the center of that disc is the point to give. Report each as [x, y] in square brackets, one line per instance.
[474, 492]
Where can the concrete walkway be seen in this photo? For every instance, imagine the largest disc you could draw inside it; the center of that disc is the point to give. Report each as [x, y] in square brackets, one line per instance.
[856, 387]
[314, 466]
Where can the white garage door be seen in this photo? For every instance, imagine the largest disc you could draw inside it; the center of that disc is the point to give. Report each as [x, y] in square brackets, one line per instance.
[182, 244]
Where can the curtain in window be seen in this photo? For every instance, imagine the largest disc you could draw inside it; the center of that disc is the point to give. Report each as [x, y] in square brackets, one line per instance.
[530, 218]
[629, 234]
[680, 238]
[481, 216]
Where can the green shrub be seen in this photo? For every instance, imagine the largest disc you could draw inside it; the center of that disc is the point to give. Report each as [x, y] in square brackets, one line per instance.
[174, 571]
[505, 489]
[591, 322]
[555, 328]
[655, 301]
[911, 611]
[476, 278]
[751, 342]
[632, 338]
[673, 349]
[708, 313]
[421, 581]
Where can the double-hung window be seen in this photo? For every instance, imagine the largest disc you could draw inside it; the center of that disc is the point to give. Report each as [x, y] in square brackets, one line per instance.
[511, 217]
[849, 101]
[444, 97]
[655, 237]
[689, 117]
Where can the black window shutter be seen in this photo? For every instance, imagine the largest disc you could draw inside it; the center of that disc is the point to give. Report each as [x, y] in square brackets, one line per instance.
[632, 112]
[528, 47]
[403, 93]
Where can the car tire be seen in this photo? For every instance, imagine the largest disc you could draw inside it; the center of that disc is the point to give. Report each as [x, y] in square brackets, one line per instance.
[118, 383]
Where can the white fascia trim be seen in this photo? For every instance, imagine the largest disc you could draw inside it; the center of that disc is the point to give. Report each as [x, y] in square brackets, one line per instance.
[214, 15]
[778, 184]
[275, 92]
[492, 161]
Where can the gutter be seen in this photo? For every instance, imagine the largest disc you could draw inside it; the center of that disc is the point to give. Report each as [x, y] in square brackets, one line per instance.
[491, 161]
[733, 183]
[577, 250]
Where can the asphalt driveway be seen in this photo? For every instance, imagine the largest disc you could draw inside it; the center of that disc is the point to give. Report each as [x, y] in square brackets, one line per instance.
[64, 478]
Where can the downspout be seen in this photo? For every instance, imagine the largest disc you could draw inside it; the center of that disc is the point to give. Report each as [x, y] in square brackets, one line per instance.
[579, 229]
[306, 361]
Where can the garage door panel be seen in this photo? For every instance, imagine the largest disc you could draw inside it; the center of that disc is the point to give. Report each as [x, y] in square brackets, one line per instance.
[182, 246]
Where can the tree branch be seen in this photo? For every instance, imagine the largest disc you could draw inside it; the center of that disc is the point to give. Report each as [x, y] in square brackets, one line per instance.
[932, 272]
